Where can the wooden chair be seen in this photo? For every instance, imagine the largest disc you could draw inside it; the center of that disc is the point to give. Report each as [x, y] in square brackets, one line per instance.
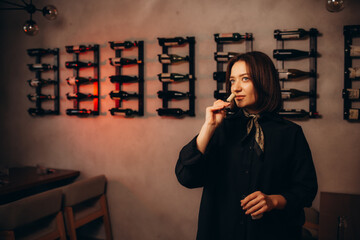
[85, 201]
[35, 217]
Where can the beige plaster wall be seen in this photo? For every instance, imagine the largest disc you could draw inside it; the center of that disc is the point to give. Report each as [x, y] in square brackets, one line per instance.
[138, 155]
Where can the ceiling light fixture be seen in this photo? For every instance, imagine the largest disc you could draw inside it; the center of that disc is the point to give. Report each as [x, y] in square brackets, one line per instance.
[30, 27]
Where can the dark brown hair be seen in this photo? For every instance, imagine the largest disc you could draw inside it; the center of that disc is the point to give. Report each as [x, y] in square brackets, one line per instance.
[265, 78]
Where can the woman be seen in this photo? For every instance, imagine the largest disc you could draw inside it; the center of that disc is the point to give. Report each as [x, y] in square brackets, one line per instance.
[255, 168]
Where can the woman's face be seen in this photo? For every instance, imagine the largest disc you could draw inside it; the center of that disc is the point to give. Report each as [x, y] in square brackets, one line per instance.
[243, 87]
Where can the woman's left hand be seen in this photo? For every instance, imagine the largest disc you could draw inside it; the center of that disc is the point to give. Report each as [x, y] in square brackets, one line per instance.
[257, 203]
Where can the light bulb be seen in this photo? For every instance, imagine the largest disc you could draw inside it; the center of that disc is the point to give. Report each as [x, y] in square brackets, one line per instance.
[50, 12]
[31, 28]
[334, 5]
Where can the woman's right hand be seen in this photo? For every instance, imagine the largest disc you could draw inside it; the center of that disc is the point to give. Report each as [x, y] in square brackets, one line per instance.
[215, 114]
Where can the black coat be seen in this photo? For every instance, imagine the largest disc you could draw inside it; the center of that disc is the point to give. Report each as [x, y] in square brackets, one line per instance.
[233, 167]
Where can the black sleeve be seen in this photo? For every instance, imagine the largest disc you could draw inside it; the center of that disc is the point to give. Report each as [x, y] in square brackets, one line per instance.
[303, 176]
[190, 169]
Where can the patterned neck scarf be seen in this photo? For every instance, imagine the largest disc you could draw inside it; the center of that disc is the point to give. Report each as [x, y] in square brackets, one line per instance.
[259, 135]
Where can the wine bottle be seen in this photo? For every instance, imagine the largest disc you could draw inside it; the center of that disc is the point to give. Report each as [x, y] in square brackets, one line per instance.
[39, 52]
[128, 112]
[39, 111]
[291, 74]
[353, 94]
[79, 96]
[123, 79]
[172, 94]
[173, 77]
[172, 58]
[354, 51]
[294, 113]
[176, 41]
[285, 54]
[231, 37]
[219, 76]
[353, 114]
[290, 34]
[78, 64]
[123, 61]
[176, 112]
[80, 112]
[122, 45]
[79, 80]
[224, 56]
[41, 67]
[78, 48]
[122, 95]
[294, 93]
[354, 72]
[34, 97]
[36, 82]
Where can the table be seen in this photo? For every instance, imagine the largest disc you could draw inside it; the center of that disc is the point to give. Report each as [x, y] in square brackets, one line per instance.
[29, 180]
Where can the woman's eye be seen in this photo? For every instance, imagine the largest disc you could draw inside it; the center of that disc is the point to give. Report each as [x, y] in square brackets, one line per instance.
[232, 81]
[245, 79]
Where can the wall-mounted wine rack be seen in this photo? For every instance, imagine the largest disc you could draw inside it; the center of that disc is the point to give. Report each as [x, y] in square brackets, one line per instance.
[119, 62]
[38, 82]
[167, 78]
[282, 55]
[222, 57]
[77, 81]
[351, 73]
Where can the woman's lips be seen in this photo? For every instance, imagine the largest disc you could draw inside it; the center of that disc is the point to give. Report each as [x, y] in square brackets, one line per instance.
[240, 97]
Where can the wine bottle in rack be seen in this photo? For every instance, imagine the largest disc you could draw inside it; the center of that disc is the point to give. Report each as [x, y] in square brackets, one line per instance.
[231, 37]
[290, 74]
[36, 82]
[224, 56]
[294, 93]
[219, 76]
[173, 77]
[294, 113]
[79, 96]
[176, 112]
[172, 58]
[123, 79]
[123, 61]
[79, 80]
[78, 64]
[176, 41]
[80, 112]
[172, 94]
[354, 51]
[287, 54]
[354, 114]
[122, 95]
[34, 97]
[285, 34]
[128, 112]
[354, 72]
[39, 111]
[41, 67]
[39, 52]
[122, 45]
[353, 94]
[78, 48]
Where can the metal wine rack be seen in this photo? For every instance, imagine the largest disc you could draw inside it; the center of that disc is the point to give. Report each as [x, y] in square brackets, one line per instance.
[312, 56]
[167, 43]
[118, 79]
[39, 83]
[76, 65]
[350, 73]
[219, 75]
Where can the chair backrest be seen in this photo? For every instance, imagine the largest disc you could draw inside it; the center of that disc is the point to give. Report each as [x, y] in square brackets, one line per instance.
[83, 190]
[27, 210]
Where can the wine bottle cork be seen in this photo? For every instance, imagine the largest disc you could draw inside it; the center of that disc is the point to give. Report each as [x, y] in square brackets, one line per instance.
[231, 97]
